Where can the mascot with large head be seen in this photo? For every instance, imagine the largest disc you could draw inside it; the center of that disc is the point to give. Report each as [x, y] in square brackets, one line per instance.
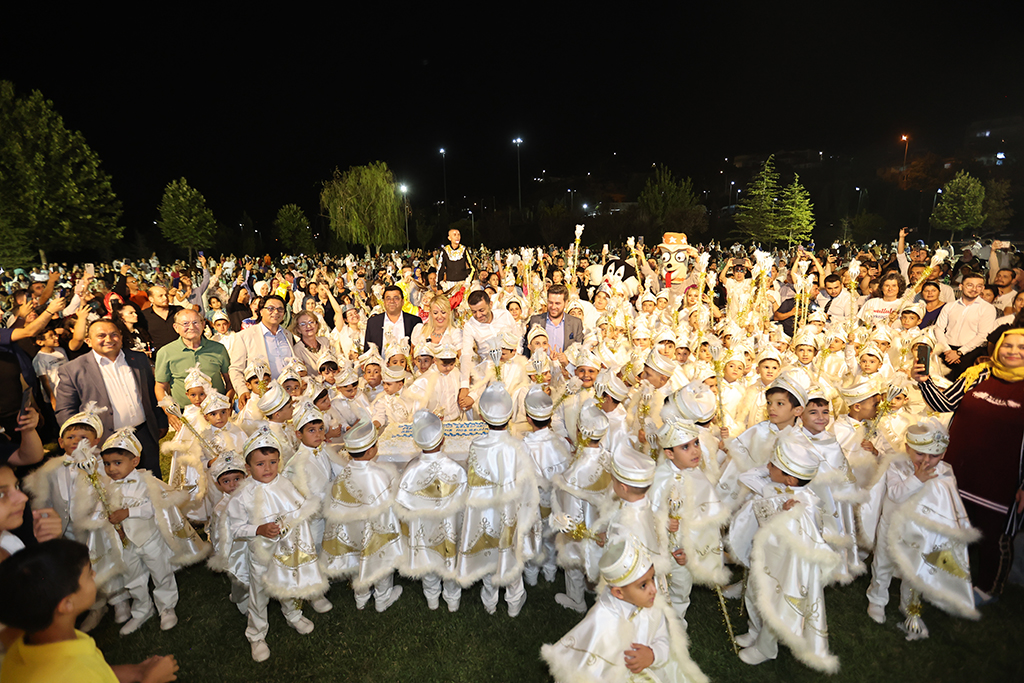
[673, 272]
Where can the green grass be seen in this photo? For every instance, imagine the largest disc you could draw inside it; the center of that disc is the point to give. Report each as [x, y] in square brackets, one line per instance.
[409, 642]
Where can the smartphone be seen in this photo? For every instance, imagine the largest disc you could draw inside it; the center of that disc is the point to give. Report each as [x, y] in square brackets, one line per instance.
[924, 356]
[201, 253]
[90, 270]
[27, 401]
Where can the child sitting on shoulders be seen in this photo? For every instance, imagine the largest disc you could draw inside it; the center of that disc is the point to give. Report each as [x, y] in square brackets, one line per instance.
[923, 535]
[273, 518]
[430, 500]
[628, 632]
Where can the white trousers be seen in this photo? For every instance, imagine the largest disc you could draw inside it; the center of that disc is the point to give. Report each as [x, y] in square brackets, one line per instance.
[432, 589]
[549, 565]
[380, 592]
[149, 560]
[257, 609]
[680, 582]
[515, 594]
[575, 585]
[766, 642]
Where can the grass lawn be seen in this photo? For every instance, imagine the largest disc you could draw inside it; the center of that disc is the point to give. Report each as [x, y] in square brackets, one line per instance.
[409, 642]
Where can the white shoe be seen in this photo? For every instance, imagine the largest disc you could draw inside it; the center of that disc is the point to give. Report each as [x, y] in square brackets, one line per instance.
[453, 606]
[490, 609]
[752, 656]
[433, 602]
[734, 591]
[122, 611]
[513, 611]
[876, 612]
[302, 625]
[568, 603]
[93, 619]
[134, 624]
[260, 651]
[322, 605]
[168, 620]
[243, 607]
[550, 578]
[746, 639]
[396, 593]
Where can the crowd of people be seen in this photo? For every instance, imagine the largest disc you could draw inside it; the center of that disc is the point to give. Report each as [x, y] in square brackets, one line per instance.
[761, 424]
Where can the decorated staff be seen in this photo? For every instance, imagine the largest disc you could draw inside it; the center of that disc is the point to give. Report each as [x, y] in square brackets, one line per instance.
[940, 256]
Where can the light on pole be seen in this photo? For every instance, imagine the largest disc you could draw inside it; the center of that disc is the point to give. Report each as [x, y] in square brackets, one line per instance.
[519, 172]
[472, 228]
[906, 147]
[444, 176]
[572, 197]
[405, 196]
[731, 184]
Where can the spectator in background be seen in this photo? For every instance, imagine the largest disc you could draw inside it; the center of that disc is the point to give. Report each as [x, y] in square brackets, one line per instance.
[160, 317]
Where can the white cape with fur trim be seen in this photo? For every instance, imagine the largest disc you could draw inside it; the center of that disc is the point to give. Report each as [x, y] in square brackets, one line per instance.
[837, 490]
[790, 565]
[502, 505]
[429, 501]
[289, 566]
[579, 493]
[689, 497]
[593, 651]
[928, 538]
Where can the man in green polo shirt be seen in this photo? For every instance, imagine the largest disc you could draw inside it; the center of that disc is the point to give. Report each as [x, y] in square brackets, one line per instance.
[174, 360]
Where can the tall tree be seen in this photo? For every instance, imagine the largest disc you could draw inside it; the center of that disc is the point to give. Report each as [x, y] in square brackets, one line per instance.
[185, 220]
[961, 205]
[796, 214]
[51, 185]
[293, 230]
[363, 206]
[671, 205]
[758, 214]
[996, 207]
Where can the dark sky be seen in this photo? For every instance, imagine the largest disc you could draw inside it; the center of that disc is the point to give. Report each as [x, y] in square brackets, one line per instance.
[257, 109]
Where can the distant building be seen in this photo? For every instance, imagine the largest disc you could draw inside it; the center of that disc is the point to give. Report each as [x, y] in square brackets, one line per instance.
[996, 142]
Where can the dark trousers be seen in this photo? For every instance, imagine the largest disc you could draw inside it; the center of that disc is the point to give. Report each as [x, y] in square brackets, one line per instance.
[150, 459]
[966, 360]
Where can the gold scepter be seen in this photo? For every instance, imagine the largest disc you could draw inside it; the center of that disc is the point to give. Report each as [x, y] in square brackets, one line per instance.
[88, 461]
[169, 405]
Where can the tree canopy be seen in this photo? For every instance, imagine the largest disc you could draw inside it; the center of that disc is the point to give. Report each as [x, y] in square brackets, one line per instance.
[796, 214]
[363, 206]
[293, 230]
[671, 204]
[52, 190]
[185, 220]
[996, 207]
[960, 208]
[758, 214]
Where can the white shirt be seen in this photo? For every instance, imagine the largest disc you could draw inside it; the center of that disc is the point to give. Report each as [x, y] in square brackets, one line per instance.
[393, 331]
[279, 349]
[478, 334]
[123, 392]
[965, 325]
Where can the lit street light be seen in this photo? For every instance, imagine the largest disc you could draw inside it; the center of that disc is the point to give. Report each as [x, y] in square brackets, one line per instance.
[519, 172]
[405, 195]
[444, 175]
[906, 147]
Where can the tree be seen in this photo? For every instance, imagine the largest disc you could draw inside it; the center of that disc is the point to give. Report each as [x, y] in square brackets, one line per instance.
[671, 205]
[52, 188]
[758, 213]
[961, 205]
[795, 215]
[293, 230]
[363, 206]
[996, 206]
[185, 220]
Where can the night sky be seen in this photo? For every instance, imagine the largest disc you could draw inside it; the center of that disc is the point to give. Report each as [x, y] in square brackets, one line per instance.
[257, 109]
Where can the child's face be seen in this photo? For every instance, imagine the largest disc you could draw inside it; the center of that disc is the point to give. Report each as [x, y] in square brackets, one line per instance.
[328, 372]
[780, 411]
[836, 345]
[587, 375]
[539, 343]
[869, 364]
[927, 459]
[866, 409]
[815, 418]
[642, 342]
[313, 434]
[323, 403]
[222, 326]
[647, 307]
[423, 363]
[507, 354]
[292, 387]
[640, 593]
[392, 388]
[667, 349]
[229, 481]
[805, 353]
[656, 379]
[12, 500]
[262, 464]
[397, 361]
[73, 435]
[768, 370]
[284, 414]
[780, 477]
[682, 354]
[371, 373]
[883, 345]
[196, 395]
[349, 390]
[704, 352]
[445, 365]
[733, 371]
[909, 320]
[49, 340]
[218, 418]
[685, 456]
[900, 401]
[119, 464]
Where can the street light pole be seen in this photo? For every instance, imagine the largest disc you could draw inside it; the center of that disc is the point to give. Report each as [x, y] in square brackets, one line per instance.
[405, 195]
[472, 228]
[444, 175]
[906, 147]
[519, 172]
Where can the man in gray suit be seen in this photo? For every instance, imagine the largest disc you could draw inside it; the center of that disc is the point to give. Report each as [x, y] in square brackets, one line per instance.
[563, 330]
[120, 380]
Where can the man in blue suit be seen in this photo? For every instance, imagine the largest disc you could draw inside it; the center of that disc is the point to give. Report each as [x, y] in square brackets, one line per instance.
[563, 330]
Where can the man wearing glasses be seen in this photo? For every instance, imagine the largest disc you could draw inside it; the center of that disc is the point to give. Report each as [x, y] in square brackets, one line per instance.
[175, 359]
[267, 340]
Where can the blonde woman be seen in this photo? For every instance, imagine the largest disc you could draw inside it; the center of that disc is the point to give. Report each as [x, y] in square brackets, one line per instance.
[438, 326]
